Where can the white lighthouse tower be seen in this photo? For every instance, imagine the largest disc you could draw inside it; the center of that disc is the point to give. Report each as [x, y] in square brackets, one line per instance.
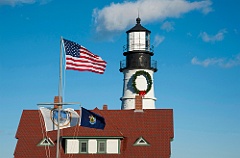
[138, 69]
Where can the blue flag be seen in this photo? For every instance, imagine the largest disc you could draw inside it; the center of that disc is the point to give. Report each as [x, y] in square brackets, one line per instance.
[91, 120]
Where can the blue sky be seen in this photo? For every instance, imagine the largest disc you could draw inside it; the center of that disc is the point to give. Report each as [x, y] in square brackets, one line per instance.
[196, 45]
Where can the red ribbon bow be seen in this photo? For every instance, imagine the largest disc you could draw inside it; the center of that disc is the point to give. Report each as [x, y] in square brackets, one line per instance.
[142, 93]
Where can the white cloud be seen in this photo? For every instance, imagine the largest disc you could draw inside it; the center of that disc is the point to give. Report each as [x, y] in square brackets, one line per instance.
[222, 62]
[168, 26]
[189, 34]
[213, 38]
[17, 2]
[236, 31]
[158, 39]
[119, 16]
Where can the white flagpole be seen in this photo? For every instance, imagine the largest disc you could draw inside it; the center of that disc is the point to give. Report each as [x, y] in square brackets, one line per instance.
[60, 69]
[60, 99]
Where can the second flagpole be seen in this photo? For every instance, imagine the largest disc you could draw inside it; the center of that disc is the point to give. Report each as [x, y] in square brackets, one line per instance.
[59, 98]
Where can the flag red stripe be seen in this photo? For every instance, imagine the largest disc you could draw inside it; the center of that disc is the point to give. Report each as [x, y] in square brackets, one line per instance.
[71, 59]
[96, 59]
[84, 69]
[85, 65]
[87, 54]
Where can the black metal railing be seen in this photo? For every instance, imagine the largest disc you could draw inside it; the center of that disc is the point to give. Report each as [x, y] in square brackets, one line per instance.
[153, 66]
[138, 47]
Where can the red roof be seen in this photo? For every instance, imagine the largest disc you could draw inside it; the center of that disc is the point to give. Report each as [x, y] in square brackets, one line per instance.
[154, 125]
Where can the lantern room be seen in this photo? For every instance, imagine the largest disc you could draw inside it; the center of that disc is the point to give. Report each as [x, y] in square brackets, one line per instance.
[138, 38]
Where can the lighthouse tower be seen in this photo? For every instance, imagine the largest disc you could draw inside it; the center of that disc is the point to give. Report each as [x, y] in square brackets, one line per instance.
[138, 69]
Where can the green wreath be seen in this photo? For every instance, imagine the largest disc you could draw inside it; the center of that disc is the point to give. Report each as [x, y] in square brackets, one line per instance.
[148, 78]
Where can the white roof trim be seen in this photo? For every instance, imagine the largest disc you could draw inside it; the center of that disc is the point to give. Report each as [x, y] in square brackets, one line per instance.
[46, 142]
[141, 142]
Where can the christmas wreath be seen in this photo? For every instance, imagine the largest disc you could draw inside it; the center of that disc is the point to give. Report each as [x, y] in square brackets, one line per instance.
[149, 82]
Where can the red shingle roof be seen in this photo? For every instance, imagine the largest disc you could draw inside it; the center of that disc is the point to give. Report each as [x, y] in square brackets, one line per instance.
[154, 125]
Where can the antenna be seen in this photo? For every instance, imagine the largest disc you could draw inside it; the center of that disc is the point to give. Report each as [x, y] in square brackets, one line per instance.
[138, 12]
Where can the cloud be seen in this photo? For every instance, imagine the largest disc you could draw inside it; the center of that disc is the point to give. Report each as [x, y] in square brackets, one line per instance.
[236, 31]
[222, 62]
[18, 2]
[213, 38]
[189, 34]
[158, 39]
[119, 16]
[168, 26]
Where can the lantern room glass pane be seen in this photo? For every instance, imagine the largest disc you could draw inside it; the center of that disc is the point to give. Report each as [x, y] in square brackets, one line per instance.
[137, 41]
[147, 41]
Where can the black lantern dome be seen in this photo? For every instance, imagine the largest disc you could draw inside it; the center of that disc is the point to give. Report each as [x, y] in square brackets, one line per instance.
[138, 27]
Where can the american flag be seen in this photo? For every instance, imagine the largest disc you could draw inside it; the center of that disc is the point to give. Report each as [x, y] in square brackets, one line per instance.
[81, 59]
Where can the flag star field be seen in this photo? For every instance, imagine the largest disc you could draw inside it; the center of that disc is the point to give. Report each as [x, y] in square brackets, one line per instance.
[72, 49]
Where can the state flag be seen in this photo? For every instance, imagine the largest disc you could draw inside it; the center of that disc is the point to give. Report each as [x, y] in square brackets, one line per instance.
[91, 119]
